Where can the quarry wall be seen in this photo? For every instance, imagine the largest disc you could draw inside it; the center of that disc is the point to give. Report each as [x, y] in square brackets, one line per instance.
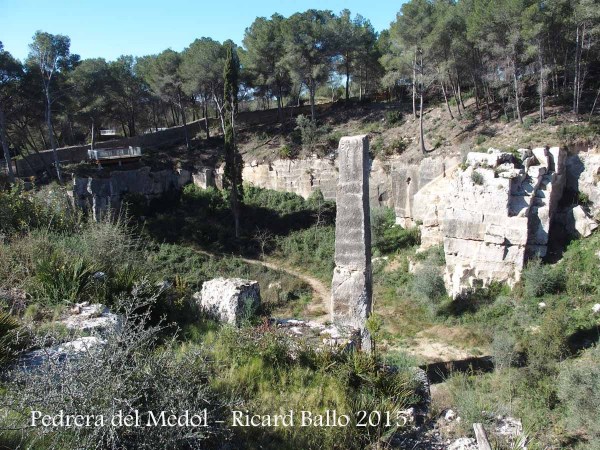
[491, 213]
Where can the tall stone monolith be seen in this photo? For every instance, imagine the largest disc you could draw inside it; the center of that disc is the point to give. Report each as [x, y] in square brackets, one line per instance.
[351, 287]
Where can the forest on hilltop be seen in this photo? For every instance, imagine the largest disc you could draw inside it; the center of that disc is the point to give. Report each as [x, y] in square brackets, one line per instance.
[510, 55]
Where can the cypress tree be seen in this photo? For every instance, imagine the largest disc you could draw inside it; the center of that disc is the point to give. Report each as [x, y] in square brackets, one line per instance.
[232, 179]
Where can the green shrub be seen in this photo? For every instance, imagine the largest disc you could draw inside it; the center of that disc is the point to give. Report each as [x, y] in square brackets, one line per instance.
[59, 279]
[471, 405]
[333, 139]
[280, 202]
[583, 199]
[477, 178]
[571, 134]
[258, 366]
[481, 138]
[579, 390]
[540, 279]
[580, 266]
[433, 255]
[393, 117]
[386, 236]
[311, 249]
[128, 372]
[504, 349]
[528, 122]
[428, 284]
[49, 208]
[285, 152]
[547, 345]
[396, 147]
[552, 121]
[311, 134]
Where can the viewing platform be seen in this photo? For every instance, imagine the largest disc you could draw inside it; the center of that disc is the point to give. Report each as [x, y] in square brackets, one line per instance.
[115, 155]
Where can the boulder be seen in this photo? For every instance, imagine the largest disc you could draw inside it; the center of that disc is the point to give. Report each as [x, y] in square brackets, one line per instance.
[229, 299]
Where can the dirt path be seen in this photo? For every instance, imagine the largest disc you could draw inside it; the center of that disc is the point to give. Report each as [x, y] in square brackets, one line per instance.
[321, 293]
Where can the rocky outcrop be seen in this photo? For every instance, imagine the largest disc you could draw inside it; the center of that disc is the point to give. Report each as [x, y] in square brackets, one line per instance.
[351, 287]
[100, 195]
[229, 299]
[493, 215]
[416, 186]
[583, 176]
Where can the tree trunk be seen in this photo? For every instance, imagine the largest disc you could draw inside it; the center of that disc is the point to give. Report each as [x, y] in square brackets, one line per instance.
[446, 100]
[476, 91]
[577, 71]
[542, 84]
[421, 134]
[93, 135]
[486, 94]
[311, 90]
[7, 155]
[516, 86]
[414, 86]
[455, 94]
[205, 114]
[185, 130]
[279, 104]
[131, 125]
[594, 105]
[459, 91]
[347, 80]
[51, 133]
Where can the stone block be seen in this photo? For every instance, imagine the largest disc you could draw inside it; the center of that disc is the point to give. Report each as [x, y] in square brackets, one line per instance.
[351, 286]
[229, 299]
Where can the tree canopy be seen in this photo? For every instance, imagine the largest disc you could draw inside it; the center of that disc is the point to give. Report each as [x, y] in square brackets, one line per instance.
[509, 55]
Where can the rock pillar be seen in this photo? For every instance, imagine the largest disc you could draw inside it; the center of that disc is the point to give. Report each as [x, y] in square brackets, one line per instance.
[351, 287]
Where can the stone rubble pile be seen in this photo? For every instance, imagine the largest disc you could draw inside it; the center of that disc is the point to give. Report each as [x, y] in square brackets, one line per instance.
[92, 318]
[83, 318]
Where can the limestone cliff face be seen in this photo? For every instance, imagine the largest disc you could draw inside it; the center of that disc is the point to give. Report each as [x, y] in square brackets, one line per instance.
[490, 217]
[100, 195]
[392, 183]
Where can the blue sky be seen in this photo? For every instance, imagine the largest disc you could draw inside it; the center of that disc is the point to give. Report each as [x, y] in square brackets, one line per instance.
[109, 28]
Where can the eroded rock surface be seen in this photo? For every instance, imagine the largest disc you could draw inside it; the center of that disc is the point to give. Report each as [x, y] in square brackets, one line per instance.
[351, 287]
[92, 318]
[229, 299]
[100, 195]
